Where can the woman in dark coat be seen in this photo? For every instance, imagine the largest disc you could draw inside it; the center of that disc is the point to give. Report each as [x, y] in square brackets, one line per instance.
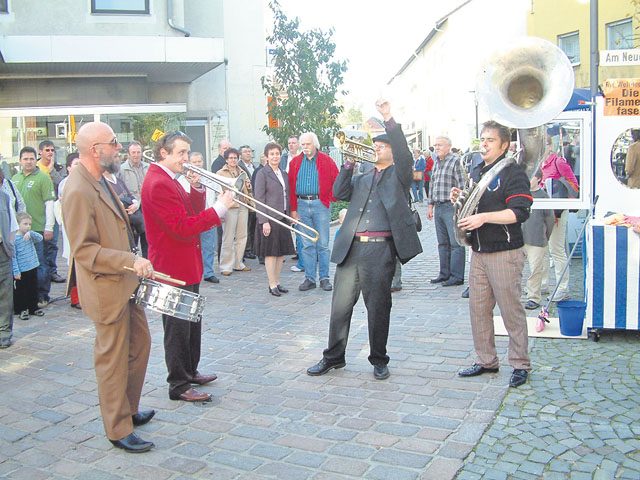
[273, 240]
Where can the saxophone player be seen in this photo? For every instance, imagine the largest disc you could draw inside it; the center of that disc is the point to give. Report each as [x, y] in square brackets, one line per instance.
[497, 258]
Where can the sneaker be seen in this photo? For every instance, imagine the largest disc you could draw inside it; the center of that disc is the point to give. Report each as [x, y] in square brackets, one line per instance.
[306, 285]
[531, 305]
[55, 278]
[24, 315]
[325, 285]
[5, 342]
[38, 313]
[42, 303]
[296, 268]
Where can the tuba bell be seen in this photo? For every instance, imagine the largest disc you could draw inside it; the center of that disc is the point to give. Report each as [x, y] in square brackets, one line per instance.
[522, 87]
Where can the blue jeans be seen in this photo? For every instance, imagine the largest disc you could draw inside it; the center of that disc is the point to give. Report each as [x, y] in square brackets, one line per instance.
[417, 189]
[51, 250]
[44, 272]
[315, 255]
[209, 242]
[299, 249]
[452, 258]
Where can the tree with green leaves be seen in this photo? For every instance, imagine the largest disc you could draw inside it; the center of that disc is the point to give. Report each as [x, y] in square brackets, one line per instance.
[305, 82]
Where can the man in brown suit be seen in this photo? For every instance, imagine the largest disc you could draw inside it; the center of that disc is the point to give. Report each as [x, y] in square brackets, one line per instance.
[102, 247]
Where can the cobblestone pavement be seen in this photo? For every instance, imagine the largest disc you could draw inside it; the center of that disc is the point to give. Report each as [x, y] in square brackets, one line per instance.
[270, 420]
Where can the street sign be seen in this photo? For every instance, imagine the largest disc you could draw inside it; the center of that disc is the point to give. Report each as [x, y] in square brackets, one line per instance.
[620, 58]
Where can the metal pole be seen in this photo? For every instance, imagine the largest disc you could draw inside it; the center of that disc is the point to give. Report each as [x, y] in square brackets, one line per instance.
[593, 79]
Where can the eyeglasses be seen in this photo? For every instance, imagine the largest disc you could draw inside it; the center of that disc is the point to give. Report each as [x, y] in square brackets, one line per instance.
[114, 142]
[167, 137]
[380, 146]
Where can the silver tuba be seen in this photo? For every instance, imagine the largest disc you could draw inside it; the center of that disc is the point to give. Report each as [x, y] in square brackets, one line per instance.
[523, 87]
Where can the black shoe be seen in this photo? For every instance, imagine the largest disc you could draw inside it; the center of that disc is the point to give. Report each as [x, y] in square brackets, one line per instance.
[452, 282]
[381, 372]
[281, 289]
[531, 305]
[325, 285]
[141, 418]
[261, 260]
[250, 256]
[306, 285]
[275, 292]
[439, 279]
[323, 367]
[465, 294]
[55, 278]
[475, 370]
[212, 279]
[518, 377]
[132, 444]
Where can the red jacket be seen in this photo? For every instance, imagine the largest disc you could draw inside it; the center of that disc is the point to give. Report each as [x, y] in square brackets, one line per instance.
[327, 173]
[173, 221]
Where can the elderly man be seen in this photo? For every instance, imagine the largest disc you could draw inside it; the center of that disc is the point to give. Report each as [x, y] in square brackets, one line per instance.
[378, 229]
[246, 164]
[498, 258]
[219, 162]
[102, 252]
[447, 174]
[37, 191]
[132, 172]
[311, 177]
[174, 222]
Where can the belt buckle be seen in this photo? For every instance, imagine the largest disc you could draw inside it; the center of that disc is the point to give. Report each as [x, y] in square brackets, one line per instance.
[364, 238]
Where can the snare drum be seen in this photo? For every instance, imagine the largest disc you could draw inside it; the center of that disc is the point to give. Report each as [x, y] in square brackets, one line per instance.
[168, 300]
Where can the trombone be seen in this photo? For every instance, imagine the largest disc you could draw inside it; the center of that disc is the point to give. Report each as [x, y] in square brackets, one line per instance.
[218, 182]
[354, 151]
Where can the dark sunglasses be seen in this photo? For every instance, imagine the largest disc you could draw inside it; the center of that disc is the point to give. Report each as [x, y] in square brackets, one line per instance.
[170, 136]
[114, 143]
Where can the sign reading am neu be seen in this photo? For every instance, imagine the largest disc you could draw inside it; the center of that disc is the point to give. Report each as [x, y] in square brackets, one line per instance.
[620, 58]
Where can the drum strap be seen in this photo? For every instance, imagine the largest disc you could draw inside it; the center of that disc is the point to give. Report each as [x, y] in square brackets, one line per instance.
[120, 208]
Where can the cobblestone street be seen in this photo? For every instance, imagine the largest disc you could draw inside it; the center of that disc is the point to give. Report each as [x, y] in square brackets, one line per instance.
[577, 418]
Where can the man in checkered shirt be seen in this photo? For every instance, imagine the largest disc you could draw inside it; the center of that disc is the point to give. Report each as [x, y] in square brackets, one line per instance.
[447, 174]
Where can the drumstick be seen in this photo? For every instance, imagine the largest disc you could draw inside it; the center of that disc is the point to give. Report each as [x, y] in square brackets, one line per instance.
[162, 276]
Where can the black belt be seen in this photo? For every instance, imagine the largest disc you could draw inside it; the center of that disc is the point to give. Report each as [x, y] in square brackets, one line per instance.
[308, 197]
[442, 203]
[365, 239]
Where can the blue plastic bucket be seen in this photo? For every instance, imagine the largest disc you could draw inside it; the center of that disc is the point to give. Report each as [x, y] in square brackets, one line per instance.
[571, 314]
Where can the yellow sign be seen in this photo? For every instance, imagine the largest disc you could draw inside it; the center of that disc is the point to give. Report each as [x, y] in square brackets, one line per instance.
[155, 136]
[621, 96]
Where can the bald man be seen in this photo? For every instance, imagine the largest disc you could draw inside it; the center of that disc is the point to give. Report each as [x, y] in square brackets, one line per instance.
[102, 248]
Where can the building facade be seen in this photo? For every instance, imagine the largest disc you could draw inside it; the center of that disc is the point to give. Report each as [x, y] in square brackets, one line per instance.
[436, 86]
[566, 23]
[193, 65]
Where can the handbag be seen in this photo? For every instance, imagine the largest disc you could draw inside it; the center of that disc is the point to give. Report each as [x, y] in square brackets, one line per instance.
[416, 217]
[418, 175]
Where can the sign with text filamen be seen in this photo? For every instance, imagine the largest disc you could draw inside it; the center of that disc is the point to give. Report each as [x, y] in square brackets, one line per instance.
[621, 96]
[620, 58]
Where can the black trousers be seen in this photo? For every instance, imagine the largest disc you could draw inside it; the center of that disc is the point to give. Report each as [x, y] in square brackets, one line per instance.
[181, 349]
[25, 292]
[251, 232]
[369, 269]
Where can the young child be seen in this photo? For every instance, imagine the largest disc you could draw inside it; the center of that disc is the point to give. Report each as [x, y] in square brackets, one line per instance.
[536, 232]
[25, 266]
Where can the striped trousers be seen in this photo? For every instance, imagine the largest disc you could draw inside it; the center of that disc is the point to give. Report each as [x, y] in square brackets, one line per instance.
[496, 278]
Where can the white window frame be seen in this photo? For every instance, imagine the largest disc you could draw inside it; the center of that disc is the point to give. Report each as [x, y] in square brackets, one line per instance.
[611, 45]
[566, 36]
[106, 11]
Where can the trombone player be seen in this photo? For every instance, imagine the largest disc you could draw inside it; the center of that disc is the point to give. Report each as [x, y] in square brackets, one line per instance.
[377, 229]
[498, 258]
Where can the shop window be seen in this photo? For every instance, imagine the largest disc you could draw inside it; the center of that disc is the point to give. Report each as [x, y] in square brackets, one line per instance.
[120, 7]
[570, 45]
[4, 6]
[619, 35]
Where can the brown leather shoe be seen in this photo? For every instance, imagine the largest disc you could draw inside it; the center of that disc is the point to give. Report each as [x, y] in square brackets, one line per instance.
[192, 395]
[200, 379]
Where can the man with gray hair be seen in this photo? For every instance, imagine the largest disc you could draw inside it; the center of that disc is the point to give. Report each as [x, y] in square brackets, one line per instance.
[447, 174]
[311, 177]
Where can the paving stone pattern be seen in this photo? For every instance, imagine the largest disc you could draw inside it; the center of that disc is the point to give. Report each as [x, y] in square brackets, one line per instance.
[576, 419]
